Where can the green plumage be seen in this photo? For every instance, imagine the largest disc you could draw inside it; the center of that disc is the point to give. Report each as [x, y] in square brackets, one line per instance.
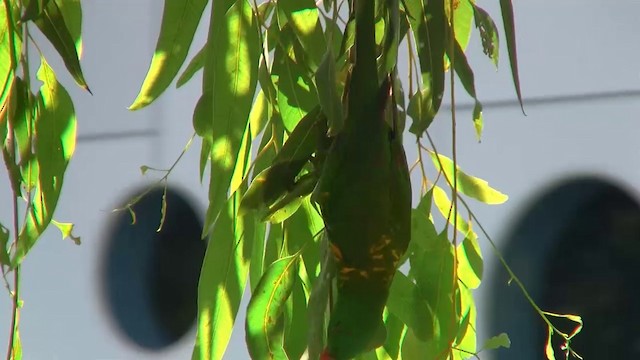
[364, 193]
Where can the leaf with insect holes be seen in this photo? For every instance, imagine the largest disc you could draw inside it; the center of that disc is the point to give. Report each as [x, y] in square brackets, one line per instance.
[488, 34]
[266, 306]
[499, 341]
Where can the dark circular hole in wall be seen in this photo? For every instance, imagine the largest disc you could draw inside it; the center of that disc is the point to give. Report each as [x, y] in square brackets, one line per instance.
[576, 249]
[150, 277]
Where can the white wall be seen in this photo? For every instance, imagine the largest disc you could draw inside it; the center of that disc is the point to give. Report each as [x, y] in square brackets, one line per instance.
[566, 49]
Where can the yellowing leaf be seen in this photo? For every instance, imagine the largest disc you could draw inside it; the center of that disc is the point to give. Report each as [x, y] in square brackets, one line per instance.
[469, 185]
[496, 342]
[548, 348]
[67, 231]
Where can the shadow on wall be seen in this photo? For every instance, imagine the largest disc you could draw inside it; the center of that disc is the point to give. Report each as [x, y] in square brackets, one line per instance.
[150, 278]
[577, 250]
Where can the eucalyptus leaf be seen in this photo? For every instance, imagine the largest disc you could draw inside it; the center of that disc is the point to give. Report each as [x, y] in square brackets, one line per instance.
[231, 90]
[223, 280]
[180, 20]
[53, 25]
[55, 141]
[510, 33]
[468, 185]
[266, 306]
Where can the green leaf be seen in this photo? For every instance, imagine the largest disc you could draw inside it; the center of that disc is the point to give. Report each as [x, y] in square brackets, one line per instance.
[4, 251]
[328, 93]
[465, 74]
[465, 343]
[222, 280]
[488, 34]
[433, 270]
[296, 93]
[548, 347]
[8, 59]
[33, 10]
[421, 110]
[428, 24]
[469, 185]
[395, 331]
[406, 302]
[463, 13]
[510, 32]
[54, 143]
[278, 179]
[499, 341]
[470, 264]
[445, 207]
[53, 24]
[229, 80]
[180, 20]
[67, 231]
[303, 18]
[295, 335]
[195, 65]
[72, 14]
[266, 306]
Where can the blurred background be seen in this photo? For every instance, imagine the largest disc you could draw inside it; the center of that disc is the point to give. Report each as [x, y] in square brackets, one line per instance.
[570, 230]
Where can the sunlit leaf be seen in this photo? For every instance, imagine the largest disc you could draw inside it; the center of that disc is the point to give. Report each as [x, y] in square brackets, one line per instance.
[488, 34]
[466, 337]
[445, 207]
[510, 33]
[54, 143]
[499, 341]
[266, 306]
[469, 185]
[67, 231]
[229, 79]
[222, 280]
[72, 14]
[303, 17]
[548, 347]
[260, 114]
[470, 264]
[180, 20]
[53, 24]
[296, 93]
[463, 13]
[195, 65]
[4, 251]
[8, 59]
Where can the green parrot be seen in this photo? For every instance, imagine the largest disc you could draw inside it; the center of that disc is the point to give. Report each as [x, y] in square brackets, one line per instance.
[364, 193]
